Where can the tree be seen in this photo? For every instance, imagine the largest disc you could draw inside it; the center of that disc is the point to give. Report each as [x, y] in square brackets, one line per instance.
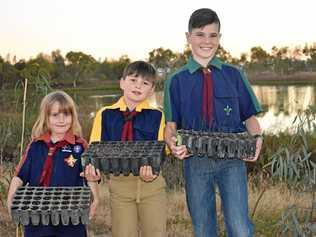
[8, 73]
[259, 59]
[162, 59]
[223, 54]
[258, 55]
[59, 66]
[281, 61]
[117, 66]
[80, 65]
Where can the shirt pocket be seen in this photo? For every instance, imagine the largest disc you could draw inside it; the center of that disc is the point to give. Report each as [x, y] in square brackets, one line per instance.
[226, 105]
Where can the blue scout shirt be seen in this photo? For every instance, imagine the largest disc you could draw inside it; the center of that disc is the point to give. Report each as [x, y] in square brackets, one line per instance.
[234, 100]
[108, 124]
[66, 170]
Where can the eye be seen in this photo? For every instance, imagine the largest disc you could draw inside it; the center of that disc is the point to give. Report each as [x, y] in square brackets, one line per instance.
[54, 114]
[199, 34]
[132, 79]
[146, 83]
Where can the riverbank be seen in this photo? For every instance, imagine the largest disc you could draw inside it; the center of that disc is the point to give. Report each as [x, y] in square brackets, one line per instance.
[268, 78]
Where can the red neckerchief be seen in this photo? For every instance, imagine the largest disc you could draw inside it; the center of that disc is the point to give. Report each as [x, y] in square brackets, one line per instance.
[127, 132]
[208, 97]
[48, 165]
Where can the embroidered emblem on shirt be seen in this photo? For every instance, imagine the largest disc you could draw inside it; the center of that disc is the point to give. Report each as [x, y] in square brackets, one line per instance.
[227, 110]
[70, 161]
[77, 149]
[66, 149]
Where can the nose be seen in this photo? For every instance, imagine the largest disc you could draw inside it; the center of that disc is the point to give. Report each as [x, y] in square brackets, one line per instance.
[138, 84]
[208, 39]
[61, 117]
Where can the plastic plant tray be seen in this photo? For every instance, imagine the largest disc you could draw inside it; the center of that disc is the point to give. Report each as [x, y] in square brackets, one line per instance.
[218, 145]
[119, 157]
[51, 205]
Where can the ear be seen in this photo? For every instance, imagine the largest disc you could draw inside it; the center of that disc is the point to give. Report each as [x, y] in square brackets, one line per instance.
[122, 83]
[152, 91]
[187, 36]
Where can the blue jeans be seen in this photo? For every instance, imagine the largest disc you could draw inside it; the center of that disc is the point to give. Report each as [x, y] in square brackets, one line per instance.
[201, 174]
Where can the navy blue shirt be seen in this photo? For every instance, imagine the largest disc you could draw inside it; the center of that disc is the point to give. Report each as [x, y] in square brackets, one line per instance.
[108, 124]
[234, 100]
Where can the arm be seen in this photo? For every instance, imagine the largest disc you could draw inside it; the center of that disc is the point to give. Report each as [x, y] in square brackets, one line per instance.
[16, 182]
[96, 127]
[145, 172]
[95, 196]
[171, 139]
[253, 128]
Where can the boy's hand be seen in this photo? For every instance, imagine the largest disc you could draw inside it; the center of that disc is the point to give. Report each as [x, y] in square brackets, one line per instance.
[91, 174]
[258, 149]
[93, 209]
[146, 173]
[180, 151]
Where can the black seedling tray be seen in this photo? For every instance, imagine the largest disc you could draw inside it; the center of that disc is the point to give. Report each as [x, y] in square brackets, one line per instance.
[218, 145]
[119, 157]
[51, 205]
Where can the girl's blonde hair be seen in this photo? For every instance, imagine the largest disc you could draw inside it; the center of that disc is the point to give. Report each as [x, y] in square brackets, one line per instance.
[66, 105]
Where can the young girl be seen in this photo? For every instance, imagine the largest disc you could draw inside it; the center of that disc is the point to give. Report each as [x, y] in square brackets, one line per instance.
[53, 159]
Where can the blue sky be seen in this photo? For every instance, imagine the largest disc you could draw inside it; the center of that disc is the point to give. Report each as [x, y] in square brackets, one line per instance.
[114, 28]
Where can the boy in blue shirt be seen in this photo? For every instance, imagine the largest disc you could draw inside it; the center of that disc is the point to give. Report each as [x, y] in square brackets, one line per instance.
[136, 201]
[207, 94]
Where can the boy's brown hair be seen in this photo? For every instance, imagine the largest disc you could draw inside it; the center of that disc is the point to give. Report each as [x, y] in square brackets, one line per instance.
[141, 68]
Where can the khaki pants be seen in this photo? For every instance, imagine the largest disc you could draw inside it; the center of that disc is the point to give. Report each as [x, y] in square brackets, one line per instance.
[138, 205]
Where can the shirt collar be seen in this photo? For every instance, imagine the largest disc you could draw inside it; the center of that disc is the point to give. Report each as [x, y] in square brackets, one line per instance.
[46, 137]
[120, 104]
[193, 65]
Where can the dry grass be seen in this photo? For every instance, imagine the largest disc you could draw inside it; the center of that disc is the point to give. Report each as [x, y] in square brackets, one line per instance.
[273, 202]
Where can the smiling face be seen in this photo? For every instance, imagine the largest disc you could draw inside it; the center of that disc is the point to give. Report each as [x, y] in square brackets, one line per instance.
[135, 89]
[59, 122]
[204, 42]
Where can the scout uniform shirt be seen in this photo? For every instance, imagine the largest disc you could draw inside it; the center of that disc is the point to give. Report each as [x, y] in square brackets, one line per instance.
[234, 100]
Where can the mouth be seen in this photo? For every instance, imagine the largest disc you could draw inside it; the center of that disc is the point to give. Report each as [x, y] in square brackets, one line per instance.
[61, 126]
[206, 48]
[136, 93]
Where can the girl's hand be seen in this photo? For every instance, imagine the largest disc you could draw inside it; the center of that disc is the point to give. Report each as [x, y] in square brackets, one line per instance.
[9, 205]
[146, 173]
[91, 174]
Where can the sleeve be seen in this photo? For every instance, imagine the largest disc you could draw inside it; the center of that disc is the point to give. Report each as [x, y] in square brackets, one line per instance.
[23, 169]
[96, 127]
[161, 128]
[172, 101]
[248, 102]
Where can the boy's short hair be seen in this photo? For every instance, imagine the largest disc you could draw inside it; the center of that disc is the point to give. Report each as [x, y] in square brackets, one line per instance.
[203, 17]
[140, 68]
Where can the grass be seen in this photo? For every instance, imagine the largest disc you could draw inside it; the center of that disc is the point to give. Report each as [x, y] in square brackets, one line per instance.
[275, 200]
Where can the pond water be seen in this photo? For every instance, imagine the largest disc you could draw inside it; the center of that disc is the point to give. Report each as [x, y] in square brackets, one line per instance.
[280, 104]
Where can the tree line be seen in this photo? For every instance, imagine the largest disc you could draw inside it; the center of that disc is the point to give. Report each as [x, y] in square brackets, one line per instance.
[79, 68]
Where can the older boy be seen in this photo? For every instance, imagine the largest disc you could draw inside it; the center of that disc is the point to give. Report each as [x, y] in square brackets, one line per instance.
[135, 201]
[207, 94]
